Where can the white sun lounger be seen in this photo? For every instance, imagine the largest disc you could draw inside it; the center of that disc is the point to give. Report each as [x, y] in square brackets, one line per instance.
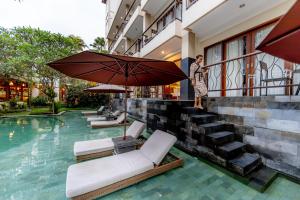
[95, 178]
[102, 117]
[87, 113]
[102, 124]
[85, 150]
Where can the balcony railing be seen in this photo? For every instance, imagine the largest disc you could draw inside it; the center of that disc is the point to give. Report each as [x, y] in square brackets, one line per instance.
[255, 74]
[127, 17]
[170, 14]
[189, 3]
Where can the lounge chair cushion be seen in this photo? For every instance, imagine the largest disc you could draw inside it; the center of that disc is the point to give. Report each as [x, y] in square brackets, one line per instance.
[157, 146]
[100, 145]
[121, 118]
[135, 129]
[116, 113]
[94, 174]
[103, 123]
[93, 146]
[100, 109]
[89, 119]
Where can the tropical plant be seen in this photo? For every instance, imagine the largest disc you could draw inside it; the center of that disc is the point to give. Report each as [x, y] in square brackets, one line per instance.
[25, 51]
[99, 45]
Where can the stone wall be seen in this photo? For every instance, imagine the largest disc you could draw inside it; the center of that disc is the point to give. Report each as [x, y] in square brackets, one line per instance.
[276, 127]
[137, 107]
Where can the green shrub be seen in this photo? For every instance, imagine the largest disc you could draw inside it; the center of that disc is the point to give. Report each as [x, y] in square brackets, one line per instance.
[76, 97]
[13, 103]
[39, 101]
[57, 106]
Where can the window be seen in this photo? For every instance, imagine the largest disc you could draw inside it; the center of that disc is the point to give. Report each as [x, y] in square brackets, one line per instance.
[242, 75]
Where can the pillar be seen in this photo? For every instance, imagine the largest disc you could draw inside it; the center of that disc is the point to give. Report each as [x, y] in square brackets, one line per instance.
[188, 57]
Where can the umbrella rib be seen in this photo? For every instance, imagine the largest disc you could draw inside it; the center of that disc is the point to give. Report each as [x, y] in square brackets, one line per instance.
[92, 71]
[147, 72]
[169, 73]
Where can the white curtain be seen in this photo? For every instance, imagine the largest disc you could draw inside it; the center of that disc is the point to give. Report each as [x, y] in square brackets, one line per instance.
[234, 69]
[275, 68]
[214, 55]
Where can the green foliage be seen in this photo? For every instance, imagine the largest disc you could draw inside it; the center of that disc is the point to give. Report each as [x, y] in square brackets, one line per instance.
[57, 106]
[25, 51]
[99, 45]
[50, 93]
[39, 101]
[76, 97]
[13, 103]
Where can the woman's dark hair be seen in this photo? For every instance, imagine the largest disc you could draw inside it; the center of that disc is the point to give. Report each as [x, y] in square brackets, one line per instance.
[198, 56]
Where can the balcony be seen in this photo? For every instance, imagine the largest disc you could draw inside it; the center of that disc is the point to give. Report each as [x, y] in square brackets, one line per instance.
[199, 18]
[134, 27]
[125, 19]
[162, 37]
[153, 7]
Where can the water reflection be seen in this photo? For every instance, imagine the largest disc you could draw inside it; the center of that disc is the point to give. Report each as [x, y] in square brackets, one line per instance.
[16, 131]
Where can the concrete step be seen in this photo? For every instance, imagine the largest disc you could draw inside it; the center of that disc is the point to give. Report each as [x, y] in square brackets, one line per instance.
[262, 178]
[231, 150]
[192, 111]
[204, 119]
[219, 138]
[245, 163]
[216, 127]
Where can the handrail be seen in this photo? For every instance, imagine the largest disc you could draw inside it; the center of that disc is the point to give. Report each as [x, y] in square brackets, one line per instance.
[231, 59]
[115, 39]
[253, 74]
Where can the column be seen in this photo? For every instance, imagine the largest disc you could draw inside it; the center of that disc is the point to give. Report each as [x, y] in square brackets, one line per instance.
[188, 57]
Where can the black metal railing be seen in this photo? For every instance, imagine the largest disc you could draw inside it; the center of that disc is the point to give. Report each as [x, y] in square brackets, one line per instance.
[189, 3]
[126, 18]
[170, 14]
[255, 74]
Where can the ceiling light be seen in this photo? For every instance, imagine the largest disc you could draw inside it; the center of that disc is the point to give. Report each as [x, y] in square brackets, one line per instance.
[162, 52]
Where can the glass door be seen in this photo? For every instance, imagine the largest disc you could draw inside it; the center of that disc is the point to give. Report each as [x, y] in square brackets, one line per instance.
[236, 69]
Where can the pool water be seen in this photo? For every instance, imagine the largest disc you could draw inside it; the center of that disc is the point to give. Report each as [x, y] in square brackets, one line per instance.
[35, 153]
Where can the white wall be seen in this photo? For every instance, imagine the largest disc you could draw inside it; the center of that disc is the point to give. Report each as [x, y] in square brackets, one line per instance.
[111, 10]
[246, 25]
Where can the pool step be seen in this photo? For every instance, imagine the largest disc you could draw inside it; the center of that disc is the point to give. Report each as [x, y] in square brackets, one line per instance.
[245, 163]
[204, 119]
[262, 178]
[219, 138]
[192, 111]
[231, 150]
[213, 127]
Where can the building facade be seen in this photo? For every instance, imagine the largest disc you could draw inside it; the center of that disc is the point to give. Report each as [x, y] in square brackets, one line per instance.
[247, 88]
[226, 32]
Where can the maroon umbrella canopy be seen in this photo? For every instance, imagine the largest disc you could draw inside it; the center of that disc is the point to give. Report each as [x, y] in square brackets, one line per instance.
[105, 88]
[119, 70]
[284, 40]
[113, 69]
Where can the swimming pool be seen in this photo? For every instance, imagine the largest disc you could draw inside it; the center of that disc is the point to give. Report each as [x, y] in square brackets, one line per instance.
[35, 153]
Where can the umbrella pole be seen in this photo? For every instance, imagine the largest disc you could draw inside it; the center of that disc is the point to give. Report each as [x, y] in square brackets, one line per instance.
[126, 79]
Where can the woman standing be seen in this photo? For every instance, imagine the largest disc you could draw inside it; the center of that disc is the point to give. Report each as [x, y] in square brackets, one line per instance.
[198, 81]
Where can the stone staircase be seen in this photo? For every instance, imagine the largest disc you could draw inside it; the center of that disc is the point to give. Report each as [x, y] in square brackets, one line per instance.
[217, 142]
[200, 133]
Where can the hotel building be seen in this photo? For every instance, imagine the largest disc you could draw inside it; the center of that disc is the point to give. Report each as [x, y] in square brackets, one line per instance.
[226, 32]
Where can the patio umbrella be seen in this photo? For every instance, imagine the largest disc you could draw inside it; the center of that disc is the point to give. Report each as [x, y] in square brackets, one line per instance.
[119, 70]
[284, 39]
[106, 88]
